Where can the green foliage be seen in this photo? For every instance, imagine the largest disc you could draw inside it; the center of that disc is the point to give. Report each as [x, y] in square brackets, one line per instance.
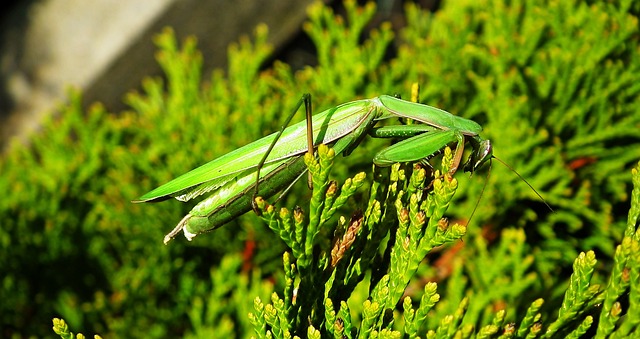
[62, 329]
[555, 86]
[409, 216]
[401, 225]
[563, 117]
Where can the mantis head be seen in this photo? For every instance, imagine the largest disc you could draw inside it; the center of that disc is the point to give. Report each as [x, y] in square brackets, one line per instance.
[482, 152]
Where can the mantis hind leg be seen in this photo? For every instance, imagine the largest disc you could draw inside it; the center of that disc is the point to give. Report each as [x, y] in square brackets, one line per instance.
[306, 100]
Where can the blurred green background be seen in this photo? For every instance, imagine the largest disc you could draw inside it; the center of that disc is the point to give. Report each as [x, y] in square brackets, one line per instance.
[555, 85]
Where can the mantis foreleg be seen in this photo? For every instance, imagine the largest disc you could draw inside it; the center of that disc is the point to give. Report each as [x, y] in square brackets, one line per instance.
[422, 146]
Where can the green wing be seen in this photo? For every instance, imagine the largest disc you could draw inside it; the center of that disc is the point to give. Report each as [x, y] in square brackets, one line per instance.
[328, 127]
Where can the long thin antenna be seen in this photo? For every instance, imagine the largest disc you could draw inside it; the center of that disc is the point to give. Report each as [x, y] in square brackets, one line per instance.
[481, 193]
[526, 182]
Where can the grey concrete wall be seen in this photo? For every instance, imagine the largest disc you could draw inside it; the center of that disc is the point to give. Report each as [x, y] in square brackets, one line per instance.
[104, 47]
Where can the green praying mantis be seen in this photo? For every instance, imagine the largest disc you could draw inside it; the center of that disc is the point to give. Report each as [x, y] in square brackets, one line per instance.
[269, 165]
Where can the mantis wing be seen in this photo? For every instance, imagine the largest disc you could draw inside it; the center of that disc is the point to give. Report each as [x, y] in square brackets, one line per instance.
[328, 127]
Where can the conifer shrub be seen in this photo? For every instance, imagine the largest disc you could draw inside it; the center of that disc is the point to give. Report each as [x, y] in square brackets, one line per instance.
[554, 85]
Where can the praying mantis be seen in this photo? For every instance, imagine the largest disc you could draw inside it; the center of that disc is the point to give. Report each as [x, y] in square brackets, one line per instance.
[269, 165]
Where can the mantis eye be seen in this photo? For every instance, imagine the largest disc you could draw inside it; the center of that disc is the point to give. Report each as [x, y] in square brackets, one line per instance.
[480, 155]
[485, 152]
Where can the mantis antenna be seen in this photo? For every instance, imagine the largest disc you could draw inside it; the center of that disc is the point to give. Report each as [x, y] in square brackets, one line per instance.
[519, 176]
[525, 181]
[481, 192]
